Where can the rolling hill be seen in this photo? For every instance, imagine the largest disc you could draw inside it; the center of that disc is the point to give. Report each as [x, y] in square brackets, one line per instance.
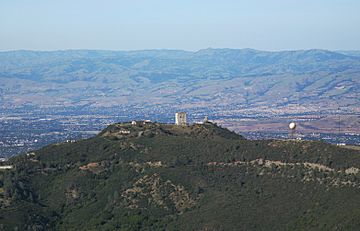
[157, 176]
[209, 77]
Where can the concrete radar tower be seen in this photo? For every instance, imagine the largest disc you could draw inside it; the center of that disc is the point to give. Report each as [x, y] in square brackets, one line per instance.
[180, 118]
[206, 119]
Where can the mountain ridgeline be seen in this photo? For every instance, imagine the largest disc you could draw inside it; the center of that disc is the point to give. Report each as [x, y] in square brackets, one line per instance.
[153, 176]
[152, 77]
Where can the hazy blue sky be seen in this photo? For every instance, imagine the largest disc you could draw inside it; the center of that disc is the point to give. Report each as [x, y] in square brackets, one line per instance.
[181, 24]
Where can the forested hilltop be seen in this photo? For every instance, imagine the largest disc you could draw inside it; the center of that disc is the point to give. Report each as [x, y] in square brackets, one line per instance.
[152, 176]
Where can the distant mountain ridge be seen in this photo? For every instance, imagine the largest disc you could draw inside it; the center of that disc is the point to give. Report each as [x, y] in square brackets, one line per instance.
[236, 62]
[207, 77]
[350, 53]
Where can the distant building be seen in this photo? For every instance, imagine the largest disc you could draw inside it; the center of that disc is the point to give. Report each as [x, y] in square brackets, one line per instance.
[206, 119]
[5, 167]
[146, 121]
[124, 131]
[180, 118]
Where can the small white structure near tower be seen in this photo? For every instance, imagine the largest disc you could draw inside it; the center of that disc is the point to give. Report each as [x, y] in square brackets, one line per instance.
[292, 127]
[180, 118]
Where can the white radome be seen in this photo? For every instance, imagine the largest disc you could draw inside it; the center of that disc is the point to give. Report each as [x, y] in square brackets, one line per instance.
[292, 125]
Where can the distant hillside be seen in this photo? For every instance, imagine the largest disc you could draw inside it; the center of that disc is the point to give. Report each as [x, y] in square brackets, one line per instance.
[228, 77]
[156, 176]
[351, 53]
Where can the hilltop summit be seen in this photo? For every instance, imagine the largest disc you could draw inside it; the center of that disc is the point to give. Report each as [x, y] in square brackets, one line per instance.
[153, 176]
[150, 129]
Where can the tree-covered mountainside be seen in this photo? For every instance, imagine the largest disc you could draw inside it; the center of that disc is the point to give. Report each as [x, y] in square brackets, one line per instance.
[156, 176]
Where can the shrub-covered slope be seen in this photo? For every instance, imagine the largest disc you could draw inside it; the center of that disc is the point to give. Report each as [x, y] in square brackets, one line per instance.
[165, 177]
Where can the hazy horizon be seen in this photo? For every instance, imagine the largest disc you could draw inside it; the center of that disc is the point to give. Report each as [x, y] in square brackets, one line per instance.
[179, 25]
[169, 49]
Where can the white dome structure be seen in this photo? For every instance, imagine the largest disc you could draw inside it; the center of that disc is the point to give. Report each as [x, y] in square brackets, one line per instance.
[292, 125]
